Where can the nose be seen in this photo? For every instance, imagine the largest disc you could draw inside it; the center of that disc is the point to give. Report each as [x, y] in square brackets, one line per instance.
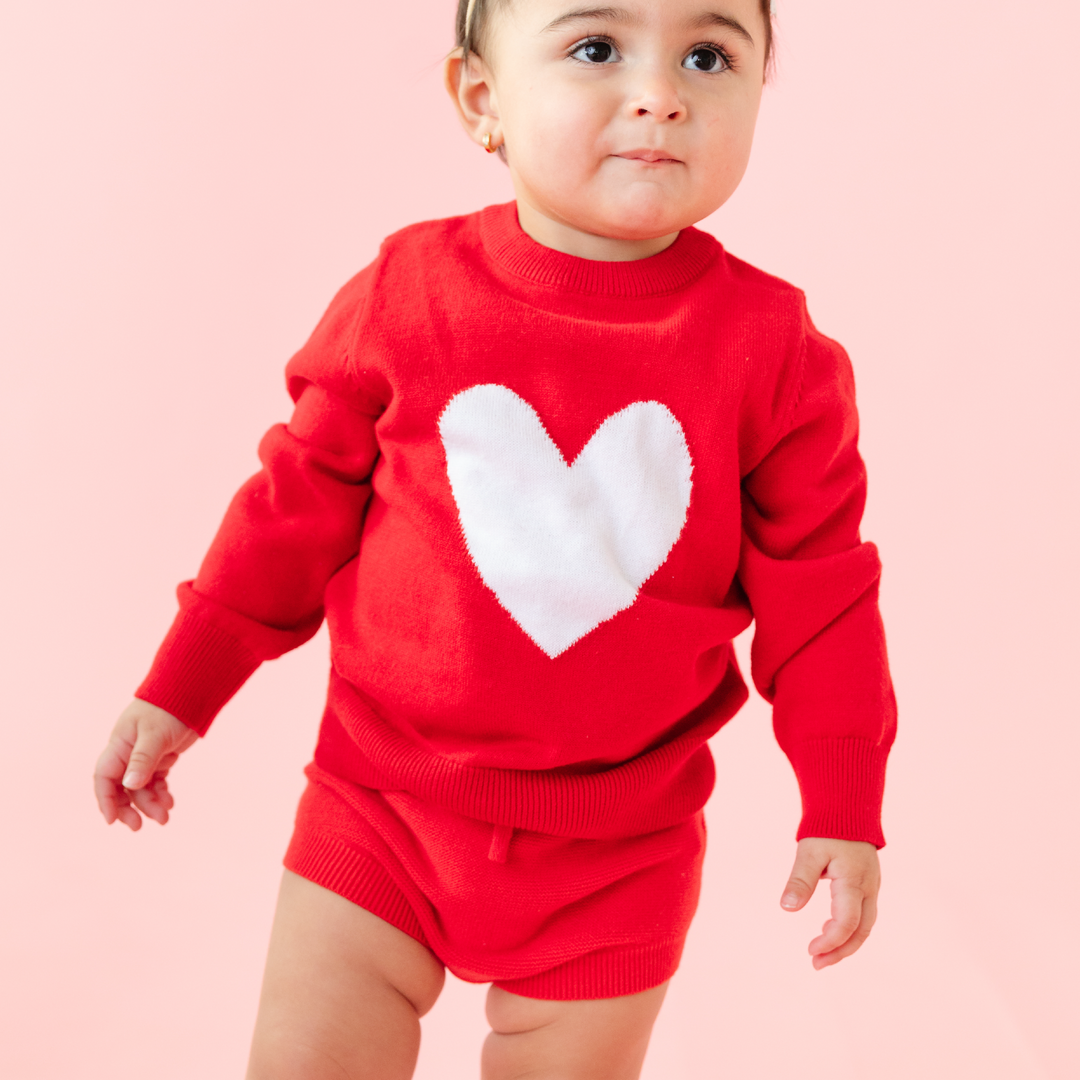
[656, 95]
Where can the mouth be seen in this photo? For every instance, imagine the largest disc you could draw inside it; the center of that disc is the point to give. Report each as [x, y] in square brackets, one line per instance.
[649, 157]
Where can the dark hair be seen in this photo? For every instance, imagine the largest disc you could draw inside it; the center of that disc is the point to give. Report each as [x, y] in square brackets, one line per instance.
[469, 33]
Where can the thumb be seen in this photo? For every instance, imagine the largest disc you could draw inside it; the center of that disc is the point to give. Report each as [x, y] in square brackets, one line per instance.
[805, 875]
[148, 750]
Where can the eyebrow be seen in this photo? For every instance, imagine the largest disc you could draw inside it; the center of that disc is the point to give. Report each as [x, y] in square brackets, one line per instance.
[714, 18]
[621, 15]
[612, 14]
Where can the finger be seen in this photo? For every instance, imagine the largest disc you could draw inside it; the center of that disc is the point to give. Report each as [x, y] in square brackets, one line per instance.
[105, 791]
[113, 759]
[147, 752]
[119, 802]
[156, 790]
[110, 795]
[148, 800]
[162, 793]
[129, 816]
[805, 875]
[847, 906]
[107, 773]
[853, 943]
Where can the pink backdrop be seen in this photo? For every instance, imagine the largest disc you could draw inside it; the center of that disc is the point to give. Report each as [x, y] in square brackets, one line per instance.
[186, 185]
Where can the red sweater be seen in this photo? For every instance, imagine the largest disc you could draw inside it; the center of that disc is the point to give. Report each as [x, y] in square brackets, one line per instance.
[536, 496]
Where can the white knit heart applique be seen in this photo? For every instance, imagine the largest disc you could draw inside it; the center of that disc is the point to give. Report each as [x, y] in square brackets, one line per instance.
[564, 547]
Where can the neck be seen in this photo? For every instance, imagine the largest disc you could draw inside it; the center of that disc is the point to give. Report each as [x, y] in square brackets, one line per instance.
[559, 236]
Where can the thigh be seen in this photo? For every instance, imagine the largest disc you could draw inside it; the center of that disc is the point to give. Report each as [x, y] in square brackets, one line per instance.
[605, 1039]
[342, 994]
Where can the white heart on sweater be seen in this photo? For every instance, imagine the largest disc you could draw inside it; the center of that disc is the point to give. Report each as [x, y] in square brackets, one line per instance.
[564, 547]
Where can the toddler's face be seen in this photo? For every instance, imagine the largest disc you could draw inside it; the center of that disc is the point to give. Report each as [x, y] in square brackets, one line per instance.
[630, 121]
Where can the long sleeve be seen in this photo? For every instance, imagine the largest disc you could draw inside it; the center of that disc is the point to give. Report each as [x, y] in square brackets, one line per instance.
[288, 530]
[819, 646]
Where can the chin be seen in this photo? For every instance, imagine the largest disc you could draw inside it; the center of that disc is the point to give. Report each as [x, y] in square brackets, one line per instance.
[642, 216]
[631, 230]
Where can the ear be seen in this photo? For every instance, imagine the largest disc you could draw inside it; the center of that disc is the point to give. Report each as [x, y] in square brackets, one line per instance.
[472, 90]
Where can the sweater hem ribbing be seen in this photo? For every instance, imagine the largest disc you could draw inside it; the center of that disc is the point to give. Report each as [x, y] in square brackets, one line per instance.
[658, 789]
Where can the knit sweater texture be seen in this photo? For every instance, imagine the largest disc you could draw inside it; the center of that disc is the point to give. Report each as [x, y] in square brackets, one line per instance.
[535, 498]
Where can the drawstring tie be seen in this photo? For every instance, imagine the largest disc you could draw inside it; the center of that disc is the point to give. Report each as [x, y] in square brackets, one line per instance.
[500, 843]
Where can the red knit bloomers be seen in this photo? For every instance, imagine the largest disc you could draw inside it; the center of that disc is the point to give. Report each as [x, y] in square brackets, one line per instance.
[542, 916]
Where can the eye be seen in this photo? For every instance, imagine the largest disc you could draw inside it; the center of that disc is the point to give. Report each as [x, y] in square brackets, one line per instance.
[597, 51]
[706, 58]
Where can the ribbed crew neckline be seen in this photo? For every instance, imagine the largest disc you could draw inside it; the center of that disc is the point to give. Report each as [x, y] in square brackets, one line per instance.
[512, 248]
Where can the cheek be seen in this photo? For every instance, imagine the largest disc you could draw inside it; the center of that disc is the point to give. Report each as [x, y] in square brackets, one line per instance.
[730, 139]
[557, 130]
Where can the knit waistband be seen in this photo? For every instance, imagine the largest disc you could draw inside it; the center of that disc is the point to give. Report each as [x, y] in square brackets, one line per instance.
[655, 790]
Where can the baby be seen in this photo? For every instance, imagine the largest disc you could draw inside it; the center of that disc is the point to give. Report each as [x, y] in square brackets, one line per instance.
[546, 461]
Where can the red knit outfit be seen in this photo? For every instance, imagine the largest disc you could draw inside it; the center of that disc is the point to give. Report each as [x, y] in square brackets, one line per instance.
[536, 496]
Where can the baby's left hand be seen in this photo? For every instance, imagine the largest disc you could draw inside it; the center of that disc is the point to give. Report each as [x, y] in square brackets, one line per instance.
[852, 867]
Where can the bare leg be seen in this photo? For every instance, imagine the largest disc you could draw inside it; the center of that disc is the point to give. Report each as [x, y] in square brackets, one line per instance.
[343, 992]
[568, 1040]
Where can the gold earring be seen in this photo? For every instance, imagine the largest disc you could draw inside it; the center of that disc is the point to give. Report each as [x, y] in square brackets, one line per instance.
[487, 143]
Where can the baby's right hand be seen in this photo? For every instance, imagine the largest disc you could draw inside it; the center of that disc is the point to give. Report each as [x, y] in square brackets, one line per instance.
[130, 774]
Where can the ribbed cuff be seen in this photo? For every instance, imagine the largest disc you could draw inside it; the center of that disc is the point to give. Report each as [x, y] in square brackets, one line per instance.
[842, 783]
[196, 670]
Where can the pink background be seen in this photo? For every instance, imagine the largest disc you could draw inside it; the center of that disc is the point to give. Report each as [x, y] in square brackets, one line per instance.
[185, 187]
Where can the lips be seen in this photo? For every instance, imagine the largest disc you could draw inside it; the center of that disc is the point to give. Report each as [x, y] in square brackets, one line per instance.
[650, 157]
